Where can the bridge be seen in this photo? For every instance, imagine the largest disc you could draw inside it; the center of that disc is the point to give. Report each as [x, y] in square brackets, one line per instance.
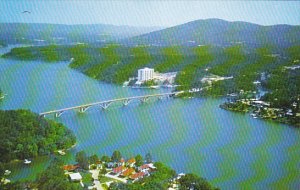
[105, 104]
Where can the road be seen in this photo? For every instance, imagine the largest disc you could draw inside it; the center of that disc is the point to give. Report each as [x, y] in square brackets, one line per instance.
[97, 183]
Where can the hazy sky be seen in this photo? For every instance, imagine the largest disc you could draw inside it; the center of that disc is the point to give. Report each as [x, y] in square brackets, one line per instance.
[148, 13]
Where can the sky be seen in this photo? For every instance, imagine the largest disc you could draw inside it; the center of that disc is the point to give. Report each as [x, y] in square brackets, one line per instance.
[164, 13]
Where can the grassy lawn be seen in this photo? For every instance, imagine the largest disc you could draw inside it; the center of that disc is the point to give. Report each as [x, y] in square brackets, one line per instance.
[87, 179]
[104, 179]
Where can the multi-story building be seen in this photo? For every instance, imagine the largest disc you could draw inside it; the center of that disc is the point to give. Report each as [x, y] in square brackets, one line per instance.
[145, 74]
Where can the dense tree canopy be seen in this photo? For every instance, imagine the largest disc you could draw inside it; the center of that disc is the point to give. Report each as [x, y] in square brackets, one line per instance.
[82, 159]
[54, 178]
[25, 135]
[116, 156]
[192, 181]
[139, 160]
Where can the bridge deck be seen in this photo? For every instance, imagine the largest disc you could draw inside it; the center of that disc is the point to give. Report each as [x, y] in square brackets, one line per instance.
[109, 101]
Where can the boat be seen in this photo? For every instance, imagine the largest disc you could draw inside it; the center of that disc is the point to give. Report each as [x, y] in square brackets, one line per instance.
[27, 161]
[61, 152]
[154, 87]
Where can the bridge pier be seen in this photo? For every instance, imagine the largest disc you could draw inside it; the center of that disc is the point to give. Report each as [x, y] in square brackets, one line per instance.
[144, 99]
[160, 97]
[83, 109]
[42, 115]
[105, 105]
[58, 114]
[126, 102]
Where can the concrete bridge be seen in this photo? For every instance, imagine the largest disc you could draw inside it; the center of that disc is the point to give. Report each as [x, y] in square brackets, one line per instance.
[105, 104]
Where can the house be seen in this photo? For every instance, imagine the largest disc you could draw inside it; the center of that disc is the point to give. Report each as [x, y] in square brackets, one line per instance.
[137, 176]
[122, 162]
[146, 168]
[70, 167]
[110, 165]
[118, 170]
[128, 172]
[130, 162]
[75, 177]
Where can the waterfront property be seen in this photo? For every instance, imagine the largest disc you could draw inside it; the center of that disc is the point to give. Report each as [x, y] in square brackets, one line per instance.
[145, 74]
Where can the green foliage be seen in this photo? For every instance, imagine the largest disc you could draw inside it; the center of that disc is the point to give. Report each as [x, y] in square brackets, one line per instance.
[192, 181]
[236, 106]
[80, 55]
[49, 53]
[220, 88]
[102, 171]
[139, 160]
[186, 77]
[93, 159]
[149, 83]
[25, 134]
[105, 158]
[110, 58]
[235, 56]
[161, 176]
[116, 156]
[251, 72]
[22, 53]
[140, 58]
[82, 160]
[172, 57]
[87, 179]
[54, 178]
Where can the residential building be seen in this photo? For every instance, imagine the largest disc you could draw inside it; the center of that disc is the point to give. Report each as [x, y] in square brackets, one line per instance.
[131, 162]
[75, 177]
[118, 170]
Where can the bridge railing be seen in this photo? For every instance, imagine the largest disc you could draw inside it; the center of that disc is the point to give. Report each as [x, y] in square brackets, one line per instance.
[106, 103]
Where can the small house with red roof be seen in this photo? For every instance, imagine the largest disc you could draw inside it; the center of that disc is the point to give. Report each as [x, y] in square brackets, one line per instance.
[137, 176]
[70, 167]
[130, 162]
[122, 162]
[128, 172]
[118, 170]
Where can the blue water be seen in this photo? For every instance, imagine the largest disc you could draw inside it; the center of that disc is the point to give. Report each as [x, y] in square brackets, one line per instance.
[231, 150]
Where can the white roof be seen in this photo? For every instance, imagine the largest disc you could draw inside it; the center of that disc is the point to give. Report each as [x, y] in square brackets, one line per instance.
[75, 176]
[146, 68]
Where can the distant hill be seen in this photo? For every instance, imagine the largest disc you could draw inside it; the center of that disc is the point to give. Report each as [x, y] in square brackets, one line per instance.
[220, 33]
[40, 34]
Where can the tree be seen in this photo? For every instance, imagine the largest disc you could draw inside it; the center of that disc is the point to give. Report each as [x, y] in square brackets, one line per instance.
[148, 158]
[82, 159]
[93, 159]
[2, 170]
[192, 181]
[105, 158]
[102, 171]
[116, 156]
[139, 160]
[54, 178]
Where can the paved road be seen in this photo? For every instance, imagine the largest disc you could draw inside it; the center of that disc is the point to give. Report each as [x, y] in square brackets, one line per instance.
[97, 183]
[115, 177]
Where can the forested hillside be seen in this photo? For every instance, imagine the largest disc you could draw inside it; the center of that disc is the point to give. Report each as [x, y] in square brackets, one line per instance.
[26, 135]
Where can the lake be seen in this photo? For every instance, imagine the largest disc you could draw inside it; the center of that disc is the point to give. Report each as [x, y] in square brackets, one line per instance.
[231, 150]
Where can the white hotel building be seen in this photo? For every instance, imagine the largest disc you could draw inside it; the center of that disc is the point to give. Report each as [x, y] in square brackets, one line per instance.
[145, 74]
